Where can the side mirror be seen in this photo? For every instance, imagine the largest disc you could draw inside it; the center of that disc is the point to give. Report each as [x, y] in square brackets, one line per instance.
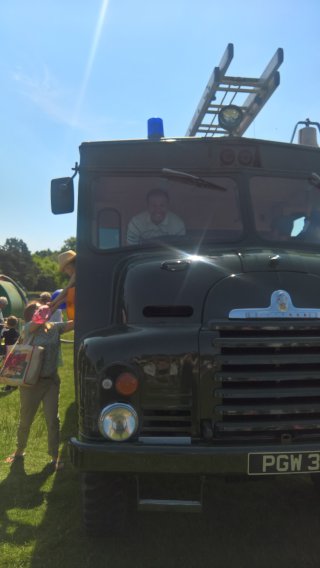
[62, 195]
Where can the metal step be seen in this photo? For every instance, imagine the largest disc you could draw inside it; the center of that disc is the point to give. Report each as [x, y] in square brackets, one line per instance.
[175, 505]
[183, 499]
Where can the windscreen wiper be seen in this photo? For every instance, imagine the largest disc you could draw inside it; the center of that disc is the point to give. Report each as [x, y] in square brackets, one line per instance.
[189, 178]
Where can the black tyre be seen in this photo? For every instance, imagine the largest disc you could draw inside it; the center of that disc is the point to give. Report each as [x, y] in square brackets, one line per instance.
[104, 503]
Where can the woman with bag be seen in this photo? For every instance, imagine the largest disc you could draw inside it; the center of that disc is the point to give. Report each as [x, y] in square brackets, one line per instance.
[46, 390]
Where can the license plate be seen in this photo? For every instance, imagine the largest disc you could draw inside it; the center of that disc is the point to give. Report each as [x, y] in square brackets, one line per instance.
[283, 463]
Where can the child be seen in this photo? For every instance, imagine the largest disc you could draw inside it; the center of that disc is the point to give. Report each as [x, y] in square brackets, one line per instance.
[45, 299]
[10, 332]
[9, 336]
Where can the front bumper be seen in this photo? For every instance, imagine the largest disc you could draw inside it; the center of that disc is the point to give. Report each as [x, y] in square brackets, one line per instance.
[187, 458]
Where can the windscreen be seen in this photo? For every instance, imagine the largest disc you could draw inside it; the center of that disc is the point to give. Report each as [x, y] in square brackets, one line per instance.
[139, 211]
[285, 209]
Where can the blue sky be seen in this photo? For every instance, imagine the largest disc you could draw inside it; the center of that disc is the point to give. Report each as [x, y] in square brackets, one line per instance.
[79, 70]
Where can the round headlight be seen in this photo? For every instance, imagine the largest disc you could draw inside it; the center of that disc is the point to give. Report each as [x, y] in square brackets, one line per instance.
[230, 117]
[118, 422]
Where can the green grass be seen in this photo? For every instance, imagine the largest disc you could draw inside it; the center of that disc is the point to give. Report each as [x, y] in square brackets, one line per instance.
[274, 523]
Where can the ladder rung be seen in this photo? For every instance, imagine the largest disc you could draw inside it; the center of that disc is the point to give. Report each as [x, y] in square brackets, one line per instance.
[209, 126]
[237, 90]
[241, 81]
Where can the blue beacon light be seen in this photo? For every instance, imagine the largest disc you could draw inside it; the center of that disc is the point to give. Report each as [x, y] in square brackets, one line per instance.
[155, 128]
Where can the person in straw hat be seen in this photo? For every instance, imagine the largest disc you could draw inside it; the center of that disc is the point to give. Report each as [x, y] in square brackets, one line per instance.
[67, 264]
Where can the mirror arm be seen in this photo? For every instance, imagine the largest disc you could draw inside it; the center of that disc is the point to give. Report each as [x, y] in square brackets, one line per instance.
[76, 169]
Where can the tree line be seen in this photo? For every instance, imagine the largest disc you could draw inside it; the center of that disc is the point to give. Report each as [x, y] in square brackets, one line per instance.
[33, 271]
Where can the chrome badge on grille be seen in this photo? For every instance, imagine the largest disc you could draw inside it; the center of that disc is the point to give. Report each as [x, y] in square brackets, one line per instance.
[281, 306]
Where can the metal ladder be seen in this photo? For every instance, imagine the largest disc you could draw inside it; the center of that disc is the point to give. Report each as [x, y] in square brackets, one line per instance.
[222, 90]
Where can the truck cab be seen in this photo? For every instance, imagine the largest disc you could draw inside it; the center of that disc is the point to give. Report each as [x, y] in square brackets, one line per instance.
[197, 334]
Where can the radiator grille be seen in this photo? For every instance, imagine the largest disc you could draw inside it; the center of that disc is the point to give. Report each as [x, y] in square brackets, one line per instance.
[158, 422]
[267, 381]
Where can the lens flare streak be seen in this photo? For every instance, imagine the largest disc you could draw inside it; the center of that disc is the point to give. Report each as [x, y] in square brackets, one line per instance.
[91, 58]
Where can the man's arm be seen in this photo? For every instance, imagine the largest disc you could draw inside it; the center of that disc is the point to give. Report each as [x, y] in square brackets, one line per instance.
[133, 231]
[69, 326]
[63, 294]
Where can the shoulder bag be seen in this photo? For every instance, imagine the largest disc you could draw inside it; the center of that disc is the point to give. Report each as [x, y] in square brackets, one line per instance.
[22, 365]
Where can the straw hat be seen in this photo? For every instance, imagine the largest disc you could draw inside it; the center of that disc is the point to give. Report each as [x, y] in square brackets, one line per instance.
[65, 257]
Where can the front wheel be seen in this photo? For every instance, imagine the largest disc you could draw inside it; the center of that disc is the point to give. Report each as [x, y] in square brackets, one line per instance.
[104, 503]
[315, 477]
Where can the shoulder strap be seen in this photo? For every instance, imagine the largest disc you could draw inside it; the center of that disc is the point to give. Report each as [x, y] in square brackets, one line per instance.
[12, 348]
[26, 341]
[30, 339]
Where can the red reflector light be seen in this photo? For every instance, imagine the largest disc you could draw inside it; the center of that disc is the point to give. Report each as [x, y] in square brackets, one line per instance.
[126, 383]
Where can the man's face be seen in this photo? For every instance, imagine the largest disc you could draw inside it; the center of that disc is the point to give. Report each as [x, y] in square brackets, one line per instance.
[69, 269]
[157, 207]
